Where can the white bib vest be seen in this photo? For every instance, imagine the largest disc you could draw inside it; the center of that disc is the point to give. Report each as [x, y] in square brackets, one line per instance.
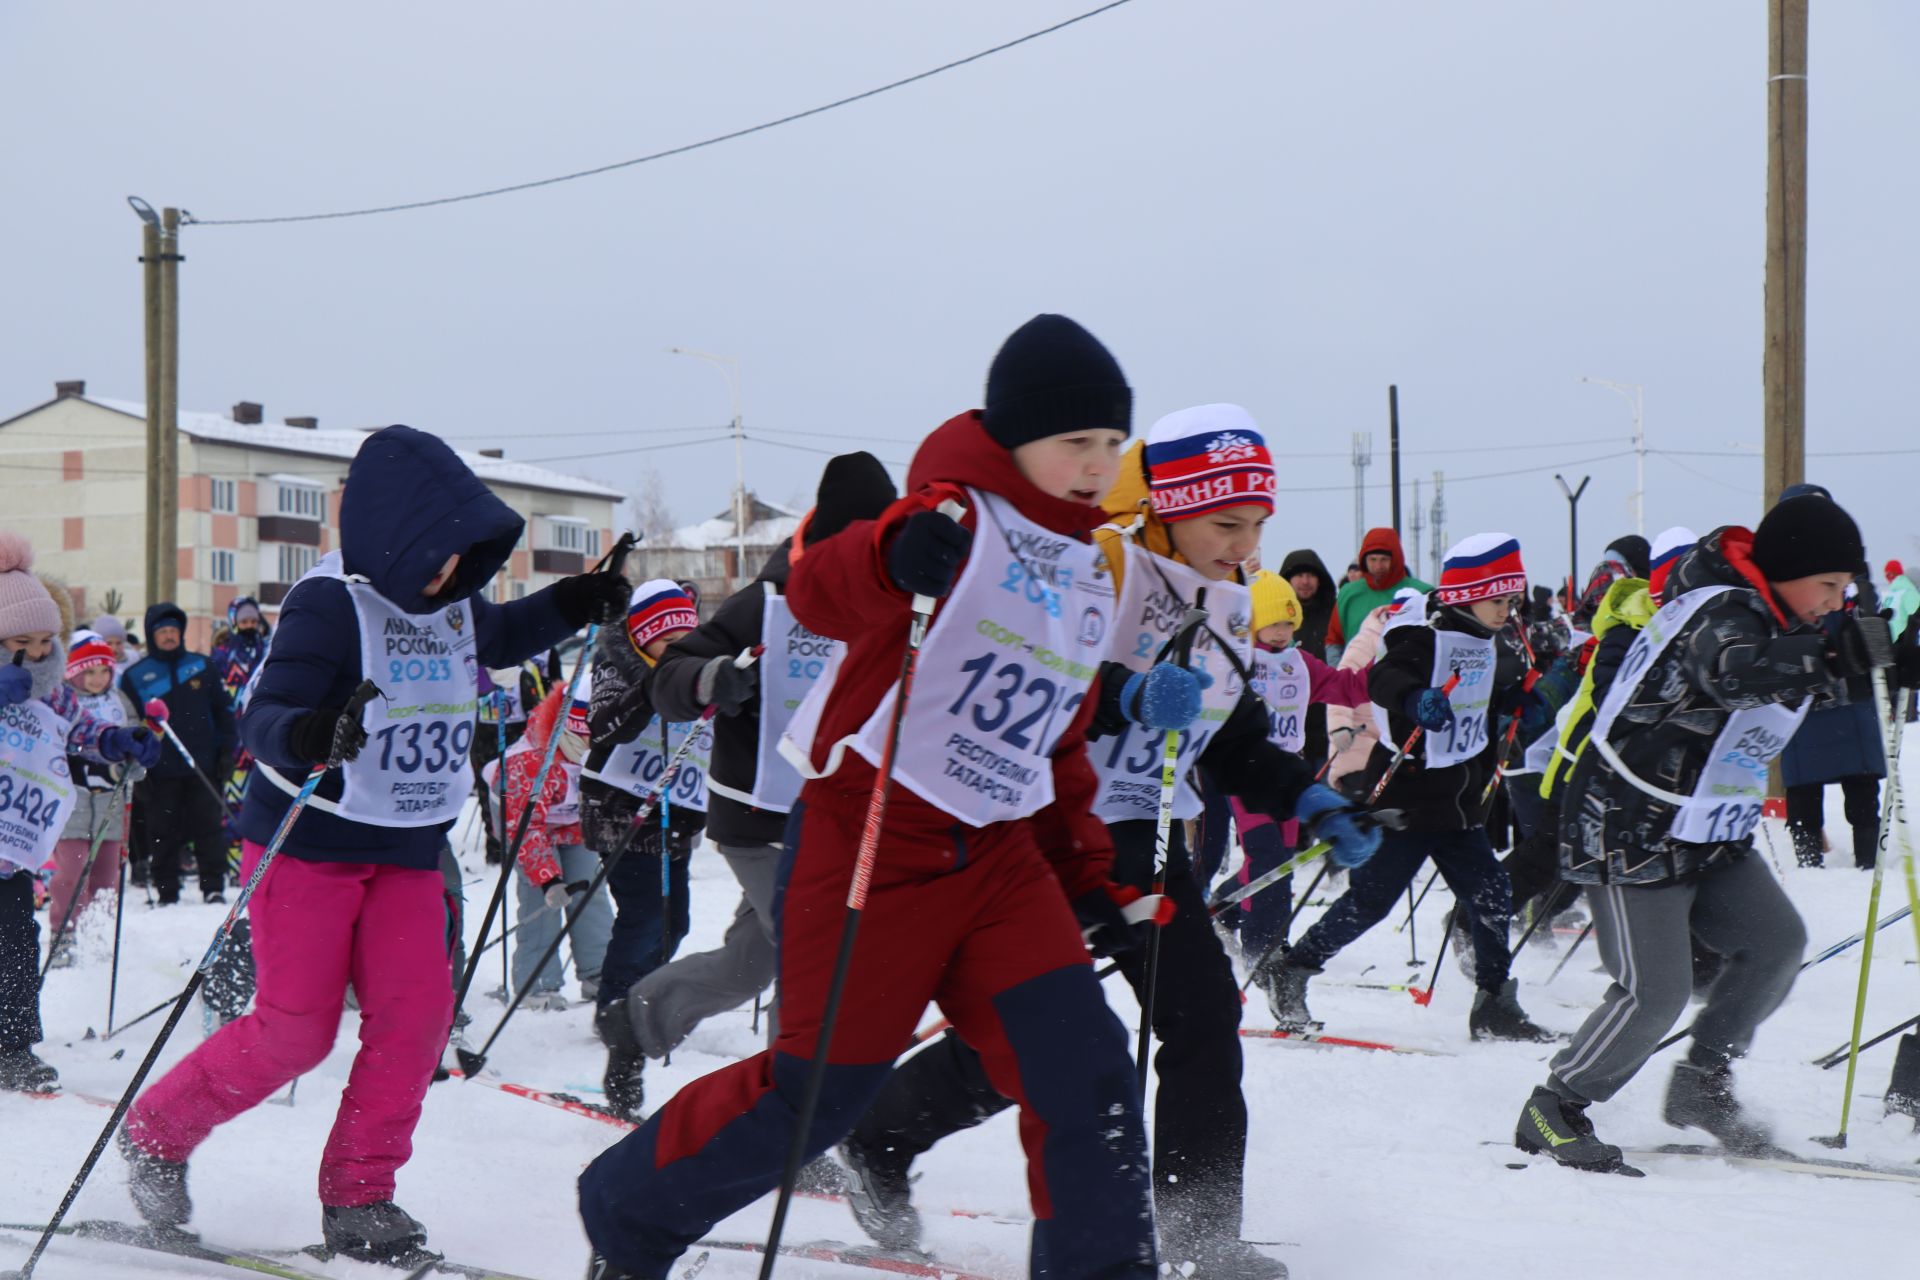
[36, 790]
[1154, 596]
[1001, 675]
[636, 767]
[413, 771]
[1285, 685]
[1472, 699]
[794, 662]
[1726, 802]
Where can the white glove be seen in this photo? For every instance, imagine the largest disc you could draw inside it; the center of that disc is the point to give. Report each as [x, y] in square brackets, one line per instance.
[557, 896]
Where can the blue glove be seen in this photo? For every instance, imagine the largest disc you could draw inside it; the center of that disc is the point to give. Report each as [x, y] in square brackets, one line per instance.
[1329, 816]
[1164, 697]
[118, 744]
[1430, 709]
[16, 685]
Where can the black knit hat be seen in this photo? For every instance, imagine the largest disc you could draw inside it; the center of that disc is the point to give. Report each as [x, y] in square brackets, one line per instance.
[854, 486]
[1052, 376]
[1634, 552]
[1807, 535]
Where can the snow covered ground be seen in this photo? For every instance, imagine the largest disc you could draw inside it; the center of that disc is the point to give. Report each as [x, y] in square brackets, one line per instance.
[1364, 1164]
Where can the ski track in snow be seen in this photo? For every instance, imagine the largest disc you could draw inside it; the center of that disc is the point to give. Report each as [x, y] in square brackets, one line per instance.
[1375, 1163]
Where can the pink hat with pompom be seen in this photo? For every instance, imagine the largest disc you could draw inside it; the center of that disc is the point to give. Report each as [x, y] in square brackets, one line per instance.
[25, 606]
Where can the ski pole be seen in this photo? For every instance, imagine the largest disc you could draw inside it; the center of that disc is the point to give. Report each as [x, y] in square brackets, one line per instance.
[1570, 950]
[156, 715]
[472, 1062]
[1402, 926]
[1406, 748]
[361, 696]
[1293, 911]
[614, 559]
[1829, 1061]
[86, 868]
[119, 913]
[1880, 651]
[1424, 996]
[1181, 648]
[864, 859]
[1500, 761]
[128, 1026]
[500, 784]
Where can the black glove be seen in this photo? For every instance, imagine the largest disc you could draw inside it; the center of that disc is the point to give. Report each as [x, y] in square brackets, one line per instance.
[1857, 645]
[926, 554]
[596, 598]
[1109, 715]
[726, 685]
[1105, 928]
[327, 735]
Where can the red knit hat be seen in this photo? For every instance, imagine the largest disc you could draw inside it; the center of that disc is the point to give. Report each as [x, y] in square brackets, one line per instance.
[1667, 550]
[1482, 567]
[87, 655]
[1206, 459]
[656, 608]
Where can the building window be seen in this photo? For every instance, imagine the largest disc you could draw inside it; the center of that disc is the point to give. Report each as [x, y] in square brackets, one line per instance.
[593, 543]
[295, 561]
[224, 499]
[308, 502]
[220, 563]
[568, 536]
[519, 591]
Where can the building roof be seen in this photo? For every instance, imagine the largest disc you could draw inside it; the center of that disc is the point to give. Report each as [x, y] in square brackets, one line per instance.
[767, 526]
[276, 437]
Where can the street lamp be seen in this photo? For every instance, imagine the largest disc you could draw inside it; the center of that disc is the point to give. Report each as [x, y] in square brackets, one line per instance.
[1632, 392]
[1573, 533]
[730, 366]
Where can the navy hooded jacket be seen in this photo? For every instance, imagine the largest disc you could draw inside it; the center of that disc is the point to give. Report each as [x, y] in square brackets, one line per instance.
[409, 503]
[197, 707]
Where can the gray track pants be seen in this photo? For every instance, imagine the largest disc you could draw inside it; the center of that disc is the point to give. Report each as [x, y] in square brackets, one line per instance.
[1644, 933]
[670, 1002]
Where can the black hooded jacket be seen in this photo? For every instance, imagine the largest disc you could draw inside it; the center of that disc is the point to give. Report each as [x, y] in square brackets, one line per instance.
[1739, 650]
[1317, 615]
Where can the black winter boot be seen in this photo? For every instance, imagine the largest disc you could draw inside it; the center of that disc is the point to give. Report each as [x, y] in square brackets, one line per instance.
[1286, 987]
[22, 1071]
[380, 1232]
[1702, 1097]
[158, 1187]
[1553, 1126]
[1498, 1016]
[1807, 846]
[1218, 1259]
[598, 1268]
[881, 1196]
[625, 1090]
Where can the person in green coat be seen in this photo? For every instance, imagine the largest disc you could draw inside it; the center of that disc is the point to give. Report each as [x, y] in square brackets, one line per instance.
[1384, 563]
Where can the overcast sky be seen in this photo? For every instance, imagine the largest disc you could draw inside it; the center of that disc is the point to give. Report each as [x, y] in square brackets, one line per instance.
[1286, 205]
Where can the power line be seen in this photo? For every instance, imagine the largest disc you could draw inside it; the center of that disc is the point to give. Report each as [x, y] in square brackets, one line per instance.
[615, 453]
[661, 155]
[1485, 475]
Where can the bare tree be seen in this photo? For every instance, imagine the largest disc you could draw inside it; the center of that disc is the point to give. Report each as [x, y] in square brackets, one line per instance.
[650, 509]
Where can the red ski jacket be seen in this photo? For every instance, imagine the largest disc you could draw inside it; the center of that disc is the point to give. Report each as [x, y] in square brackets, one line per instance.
[840, 587]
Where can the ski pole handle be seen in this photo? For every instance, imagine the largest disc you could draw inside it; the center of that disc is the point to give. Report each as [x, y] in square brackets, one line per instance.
[952, 510]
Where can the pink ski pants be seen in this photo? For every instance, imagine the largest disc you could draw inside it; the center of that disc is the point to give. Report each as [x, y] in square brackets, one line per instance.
[316, 927]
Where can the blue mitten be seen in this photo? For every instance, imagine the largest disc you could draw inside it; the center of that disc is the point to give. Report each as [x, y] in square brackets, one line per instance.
[118, 744]
[1164, 697]
[1329, 816]
[16, 685]
[1430, 709]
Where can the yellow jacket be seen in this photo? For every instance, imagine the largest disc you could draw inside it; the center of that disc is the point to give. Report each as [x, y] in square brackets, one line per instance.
[1628, 603]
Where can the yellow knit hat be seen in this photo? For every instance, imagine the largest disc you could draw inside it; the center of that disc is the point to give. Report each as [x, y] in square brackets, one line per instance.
[1273, 601]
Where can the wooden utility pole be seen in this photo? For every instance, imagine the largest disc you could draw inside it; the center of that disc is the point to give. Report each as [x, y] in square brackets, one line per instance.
[167, 481]
[1784, 368]
[150, 275]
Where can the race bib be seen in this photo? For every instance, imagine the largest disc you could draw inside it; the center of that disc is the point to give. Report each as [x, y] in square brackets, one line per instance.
[636, 767]
[36, 791]
[1285, 685]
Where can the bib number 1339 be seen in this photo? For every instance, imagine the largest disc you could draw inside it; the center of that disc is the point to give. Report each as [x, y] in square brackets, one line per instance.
[430, 746]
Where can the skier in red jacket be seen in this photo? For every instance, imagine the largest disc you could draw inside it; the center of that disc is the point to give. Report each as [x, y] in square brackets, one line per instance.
[991, 866]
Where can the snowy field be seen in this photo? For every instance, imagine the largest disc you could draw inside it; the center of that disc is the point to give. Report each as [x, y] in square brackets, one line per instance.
[1362, 1164]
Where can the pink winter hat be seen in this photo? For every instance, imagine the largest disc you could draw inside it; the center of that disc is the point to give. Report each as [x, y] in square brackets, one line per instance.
[25, 606]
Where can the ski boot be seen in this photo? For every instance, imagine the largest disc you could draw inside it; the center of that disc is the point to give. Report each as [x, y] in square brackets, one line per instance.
[380, 1232]
[1557, 1127]
[1286, 988]
[881, 1196]
[624, 1087]
[22, 1071]
[1702, 1097]
[598, 1268]
[1498, 1016]
[1218, 1259]
[1808, 850]
[158, 1187]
